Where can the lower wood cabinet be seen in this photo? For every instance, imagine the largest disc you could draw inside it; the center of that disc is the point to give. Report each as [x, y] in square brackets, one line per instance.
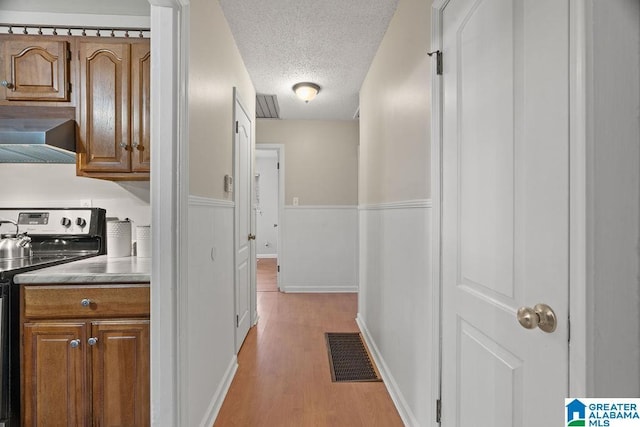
[92, 370]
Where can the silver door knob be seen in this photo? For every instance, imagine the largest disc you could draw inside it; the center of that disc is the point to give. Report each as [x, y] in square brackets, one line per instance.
[92, 341]
[74, 343]
[6, 84]
[123, 145]
[135, 144]
[85, 302]
[541, 315]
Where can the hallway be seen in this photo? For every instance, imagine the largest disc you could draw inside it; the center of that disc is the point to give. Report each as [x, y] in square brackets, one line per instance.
[283, 377]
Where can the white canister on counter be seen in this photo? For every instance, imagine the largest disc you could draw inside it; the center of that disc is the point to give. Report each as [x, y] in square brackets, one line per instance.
[143, 241]
[118, 238]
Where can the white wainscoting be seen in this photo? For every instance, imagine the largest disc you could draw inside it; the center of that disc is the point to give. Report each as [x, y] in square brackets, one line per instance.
[395, 301]
[319, 250]
[208, 360]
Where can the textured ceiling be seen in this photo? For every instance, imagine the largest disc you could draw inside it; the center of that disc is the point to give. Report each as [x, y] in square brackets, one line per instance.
[328, 42]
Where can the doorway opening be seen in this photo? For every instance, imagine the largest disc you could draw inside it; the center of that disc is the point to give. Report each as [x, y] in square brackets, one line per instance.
[269, 196]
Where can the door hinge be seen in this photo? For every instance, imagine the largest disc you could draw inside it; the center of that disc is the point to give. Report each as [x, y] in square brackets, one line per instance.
[69, 56]
[438, 61]
[237, 320]
[569, 329]
[438, 410]
[70, 87]
[278, 166]
[236, 126]
[278, 269]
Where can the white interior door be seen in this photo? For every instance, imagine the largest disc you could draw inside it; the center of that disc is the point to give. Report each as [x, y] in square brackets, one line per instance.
[243, 239]
[505, 211]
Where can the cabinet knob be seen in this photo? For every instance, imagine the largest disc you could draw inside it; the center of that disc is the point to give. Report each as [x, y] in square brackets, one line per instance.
[85, 302]
[123, 145]
[6, 84]
[92, 341]
[135, 144]
[74, 343]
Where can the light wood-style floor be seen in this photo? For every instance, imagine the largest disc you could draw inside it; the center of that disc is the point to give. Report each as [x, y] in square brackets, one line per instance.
[267, 275]
[283, 377]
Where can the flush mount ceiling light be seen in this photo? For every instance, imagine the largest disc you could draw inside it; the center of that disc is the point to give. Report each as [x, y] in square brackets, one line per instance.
[306, 91]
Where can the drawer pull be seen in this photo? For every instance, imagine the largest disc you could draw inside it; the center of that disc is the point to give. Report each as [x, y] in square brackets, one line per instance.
[85, 302]
[74, 343]
[92, 341]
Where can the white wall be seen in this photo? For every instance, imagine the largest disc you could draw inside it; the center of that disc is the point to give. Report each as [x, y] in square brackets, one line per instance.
[613, 216]
[207, 317]
[319, 249]
[394, 302]
[396, 291]
[319, 237]
[266, 190]
[209, 333]
[56, 185]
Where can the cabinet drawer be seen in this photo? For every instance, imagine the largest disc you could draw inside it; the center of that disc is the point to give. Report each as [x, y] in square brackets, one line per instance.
[86, 301]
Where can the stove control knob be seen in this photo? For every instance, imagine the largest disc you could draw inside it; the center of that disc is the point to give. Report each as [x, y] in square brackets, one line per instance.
[66, 222]
[81, 222]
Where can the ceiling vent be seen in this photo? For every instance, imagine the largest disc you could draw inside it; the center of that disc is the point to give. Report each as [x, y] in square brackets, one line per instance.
[267, 107]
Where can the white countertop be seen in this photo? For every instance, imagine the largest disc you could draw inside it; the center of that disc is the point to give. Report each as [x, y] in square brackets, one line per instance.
[100, 269]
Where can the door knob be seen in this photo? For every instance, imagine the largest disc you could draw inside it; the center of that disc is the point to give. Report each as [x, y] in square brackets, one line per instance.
[92, 341]
[541, 315]
[252, 237]
[6, 84]
[74, 343]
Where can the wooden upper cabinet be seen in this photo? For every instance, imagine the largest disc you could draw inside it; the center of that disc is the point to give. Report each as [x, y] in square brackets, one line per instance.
[104, 107]
[141, 107]
[115, 95]
[36, 70]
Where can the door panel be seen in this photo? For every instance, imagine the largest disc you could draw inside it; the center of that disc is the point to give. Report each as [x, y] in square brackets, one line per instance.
[54, 372]
[504, 210]
[243, 176]
[104, 109]
[37, 70]
[141, 105]
[120, 361]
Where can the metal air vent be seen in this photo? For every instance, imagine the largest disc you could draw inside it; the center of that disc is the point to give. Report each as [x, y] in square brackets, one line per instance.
[267, 107]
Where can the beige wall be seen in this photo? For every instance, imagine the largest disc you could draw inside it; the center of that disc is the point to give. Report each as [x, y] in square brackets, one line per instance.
[395, 109]
[215, 67]
[321, 159]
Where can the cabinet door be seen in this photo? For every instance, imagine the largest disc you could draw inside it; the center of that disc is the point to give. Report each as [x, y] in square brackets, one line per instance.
[120, 373]
[141, 105]
[54, 374]
[36, 70]
[104, 107]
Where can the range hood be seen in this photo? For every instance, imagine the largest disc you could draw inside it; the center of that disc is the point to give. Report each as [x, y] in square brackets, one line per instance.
[37, 141]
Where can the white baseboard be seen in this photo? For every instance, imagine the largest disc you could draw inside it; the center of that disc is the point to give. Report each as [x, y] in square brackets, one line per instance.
[220, 394]
[266, 256]
[311, 289]
[392, 387]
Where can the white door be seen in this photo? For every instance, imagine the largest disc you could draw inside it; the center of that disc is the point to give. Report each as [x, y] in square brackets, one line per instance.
[505, 211]
[243, 236]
